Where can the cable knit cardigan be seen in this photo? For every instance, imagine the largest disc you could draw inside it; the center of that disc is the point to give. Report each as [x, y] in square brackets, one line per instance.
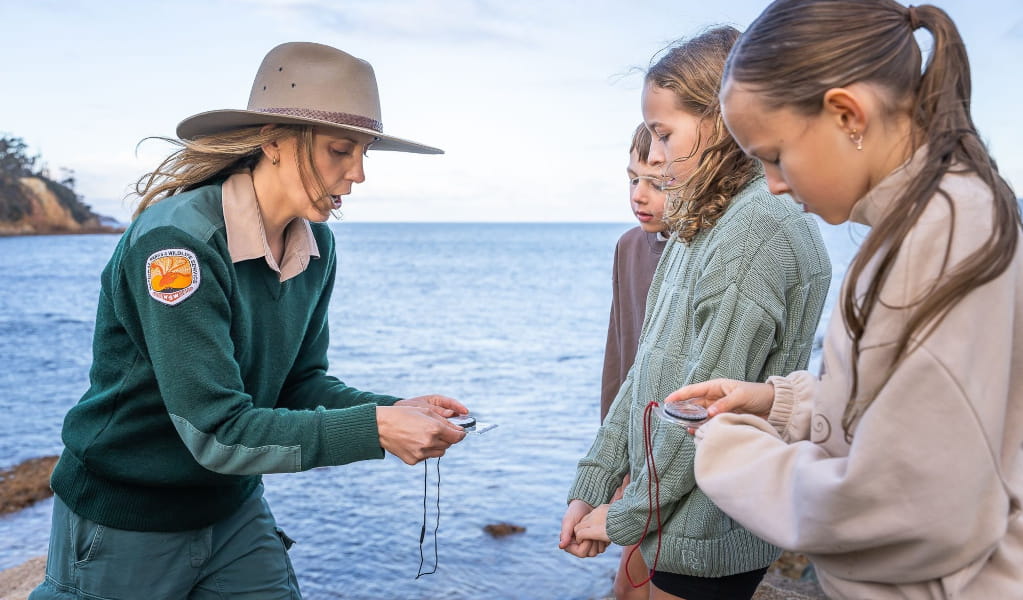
[743, 301]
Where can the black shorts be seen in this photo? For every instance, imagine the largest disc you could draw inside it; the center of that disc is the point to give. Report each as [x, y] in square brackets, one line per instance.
[740, 586]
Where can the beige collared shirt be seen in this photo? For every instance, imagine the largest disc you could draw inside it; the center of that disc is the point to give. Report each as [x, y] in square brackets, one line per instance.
[246, 237]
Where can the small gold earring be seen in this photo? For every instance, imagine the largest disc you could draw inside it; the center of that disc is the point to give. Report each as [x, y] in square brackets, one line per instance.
[274, 161]
[856, 139]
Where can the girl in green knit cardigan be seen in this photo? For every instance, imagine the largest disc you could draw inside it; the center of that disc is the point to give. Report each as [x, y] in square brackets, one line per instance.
[739, 291]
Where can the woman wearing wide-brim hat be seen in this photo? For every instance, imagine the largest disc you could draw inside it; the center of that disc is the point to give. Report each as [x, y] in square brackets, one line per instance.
[210, 348]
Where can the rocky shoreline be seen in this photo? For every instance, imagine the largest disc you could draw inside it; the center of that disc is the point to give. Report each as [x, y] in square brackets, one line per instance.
[21, 486]
[25, 484]
[29, 482]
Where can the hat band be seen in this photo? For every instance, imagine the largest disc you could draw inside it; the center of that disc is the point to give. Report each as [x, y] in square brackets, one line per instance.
[338, 118]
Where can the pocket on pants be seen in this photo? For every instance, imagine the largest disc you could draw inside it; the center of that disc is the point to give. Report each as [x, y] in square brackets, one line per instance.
[118, 563]
[86, 539]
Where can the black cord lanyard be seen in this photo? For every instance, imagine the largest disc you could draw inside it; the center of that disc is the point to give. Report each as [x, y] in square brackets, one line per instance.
[422, 531]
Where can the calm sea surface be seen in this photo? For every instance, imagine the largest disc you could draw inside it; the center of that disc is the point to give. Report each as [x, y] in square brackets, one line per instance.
[508, 318]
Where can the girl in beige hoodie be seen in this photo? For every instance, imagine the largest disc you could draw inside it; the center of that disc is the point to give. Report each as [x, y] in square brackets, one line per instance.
[899, 471]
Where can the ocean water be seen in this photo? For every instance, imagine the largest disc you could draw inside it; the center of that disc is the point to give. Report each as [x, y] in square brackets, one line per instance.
[508, 318]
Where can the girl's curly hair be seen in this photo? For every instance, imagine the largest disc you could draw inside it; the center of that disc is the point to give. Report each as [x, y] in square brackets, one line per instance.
[692, 70]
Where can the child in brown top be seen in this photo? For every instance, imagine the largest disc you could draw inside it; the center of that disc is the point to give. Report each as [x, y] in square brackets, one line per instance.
[636, 257]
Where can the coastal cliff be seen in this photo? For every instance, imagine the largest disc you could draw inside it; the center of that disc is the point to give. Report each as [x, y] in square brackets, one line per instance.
[31, 202]
[35, 205]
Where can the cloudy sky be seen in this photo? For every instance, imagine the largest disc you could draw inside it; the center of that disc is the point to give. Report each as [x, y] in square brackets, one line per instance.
[534, 101]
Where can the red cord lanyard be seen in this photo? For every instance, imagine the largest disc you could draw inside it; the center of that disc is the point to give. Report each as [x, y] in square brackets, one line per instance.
[653, 490]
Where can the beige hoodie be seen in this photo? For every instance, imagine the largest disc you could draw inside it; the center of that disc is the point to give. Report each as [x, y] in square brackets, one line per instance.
[925, 501]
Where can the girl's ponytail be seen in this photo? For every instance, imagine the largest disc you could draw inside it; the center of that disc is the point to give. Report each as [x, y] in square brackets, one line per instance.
[798, 49]
[944, 93]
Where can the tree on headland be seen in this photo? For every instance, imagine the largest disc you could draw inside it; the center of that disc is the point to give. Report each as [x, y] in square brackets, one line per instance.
[14, 162]
[16, 200]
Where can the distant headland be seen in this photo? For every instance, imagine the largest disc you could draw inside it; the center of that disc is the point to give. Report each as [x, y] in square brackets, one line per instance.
[33, 203]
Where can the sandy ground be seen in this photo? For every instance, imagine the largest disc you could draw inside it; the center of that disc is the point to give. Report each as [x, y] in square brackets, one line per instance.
[17, 582]
[28, 482]
[779, 587]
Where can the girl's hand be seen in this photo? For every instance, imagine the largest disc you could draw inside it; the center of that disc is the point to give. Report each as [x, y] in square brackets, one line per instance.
[415, 433]
[594, 526]
[442, 405]
[576, 511]
[728, 395]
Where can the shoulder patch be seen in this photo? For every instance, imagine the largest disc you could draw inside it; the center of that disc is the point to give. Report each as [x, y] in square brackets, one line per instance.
[172, 275]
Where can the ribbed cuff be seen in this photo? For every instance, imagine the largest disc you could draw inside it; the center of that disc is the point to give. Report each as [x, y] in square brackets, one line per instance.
[781, 410]
[592, 485]
[621, 529]
[351, 434]
[385, 400]
[793, 404]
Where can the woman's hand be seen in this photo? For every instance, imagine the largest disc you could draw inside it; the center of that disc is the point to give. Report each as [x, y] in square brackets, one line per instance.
[728, 395]
[576, 511]
[594, 526]
[415, 433]
[442, 405]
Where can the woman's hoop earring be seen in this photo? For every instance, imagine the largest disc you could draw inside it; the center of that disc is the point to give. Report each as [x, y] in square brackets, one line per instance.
[274, 161]
[856, 139]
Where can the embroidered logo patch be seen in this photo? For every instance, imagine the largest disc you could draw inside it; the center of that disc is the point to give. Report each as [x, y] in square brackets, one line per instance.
[172, 274]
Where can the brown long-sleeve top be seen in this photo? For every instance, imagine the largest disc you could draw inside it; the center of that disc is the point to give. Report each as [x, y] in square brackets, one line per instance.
[636, 256]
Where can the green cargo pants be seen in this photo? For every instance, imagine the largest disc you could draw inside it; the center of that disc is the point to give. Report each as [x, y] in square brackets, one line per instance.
[242, 557]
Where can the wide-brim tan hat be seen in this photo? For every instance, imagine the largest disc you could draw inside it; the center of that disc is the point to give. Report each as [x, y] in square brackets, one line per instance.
[309, 84]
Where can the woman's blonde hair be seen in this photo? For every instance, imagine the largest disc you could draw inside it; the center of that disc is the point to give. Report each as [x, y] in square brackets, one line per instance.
[213, 157]
[692, 71]
[799, 49]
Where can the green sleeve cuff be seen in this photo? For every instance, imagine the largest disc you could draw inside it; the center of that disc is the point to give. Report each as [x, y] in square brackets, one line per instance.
[384, 400]
[351, 434]
[592, 485]
[622, 527]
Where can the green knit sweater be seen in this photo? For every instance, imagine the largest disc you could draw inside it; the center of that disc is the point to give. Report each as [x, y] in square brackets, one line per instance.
[741, 301]
[190, 401]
